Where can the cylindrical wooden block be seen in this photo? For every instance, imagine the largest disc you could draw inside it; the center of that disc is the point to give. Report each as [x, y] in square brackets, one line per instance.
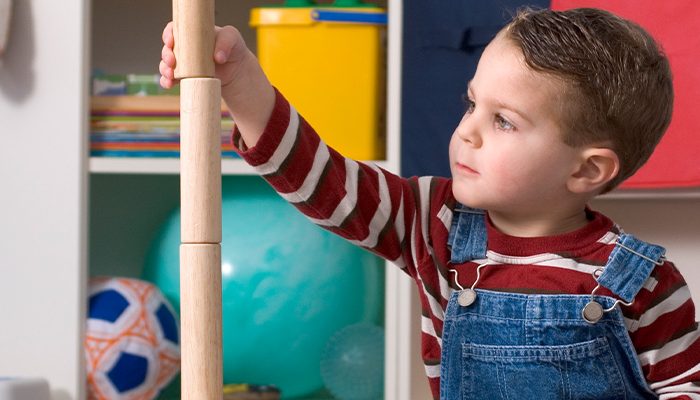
[200, 315]
[193, 29]
[200, 160]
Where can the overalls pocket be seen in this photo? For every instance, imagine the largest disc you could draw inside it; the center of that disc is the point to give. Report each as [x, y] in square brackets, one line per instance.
[584, 370]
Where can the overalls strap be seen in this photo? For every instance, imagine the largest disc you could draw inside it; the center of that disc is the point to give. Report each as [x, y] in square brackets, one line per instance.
[498, 344]
[630, 265]
[467, 237]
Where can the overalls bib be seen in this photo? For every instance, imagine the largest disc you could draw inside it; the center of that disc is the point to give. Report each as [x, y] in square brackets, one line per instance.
[521, 346]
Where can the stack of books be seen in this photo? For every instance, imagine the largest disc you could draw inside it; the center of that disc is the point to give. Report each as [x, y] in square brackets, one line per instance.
[143, 126]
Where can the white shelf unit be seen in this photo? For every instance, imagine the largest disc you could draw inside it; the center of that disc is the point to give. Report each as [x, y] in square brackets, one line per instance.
[119, 240]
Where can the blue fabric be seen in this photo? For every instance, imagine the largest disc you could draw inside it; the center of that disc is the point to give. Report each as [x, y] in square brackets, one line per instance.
[626, 271]
[129, 372]
[107, 305]
[442, 43]
[518, 346]
[521, 346]
[467, 236]
[167, 323]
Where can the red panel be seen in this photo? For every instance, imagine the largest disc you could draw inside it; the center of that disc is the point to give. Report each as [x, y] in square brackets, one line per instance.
[676, 25]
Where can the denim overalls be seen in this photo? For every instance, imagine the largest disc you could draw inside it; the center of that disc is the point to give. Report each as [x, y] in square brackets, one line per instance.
[518, 346]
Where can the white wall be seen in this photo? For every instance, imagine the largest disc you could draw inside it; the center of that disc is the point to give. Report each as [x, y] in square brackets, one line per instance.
[42, 194]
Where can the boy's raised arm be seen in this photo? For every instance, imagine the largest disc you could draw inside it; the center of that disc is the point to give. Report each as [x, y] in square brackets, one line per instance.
[369, 206]
[244, 87]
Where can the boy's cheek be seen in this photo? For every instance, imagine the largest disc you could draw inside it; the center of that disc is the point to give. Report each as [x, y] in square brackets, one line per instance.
[453, 149]
[506, 170]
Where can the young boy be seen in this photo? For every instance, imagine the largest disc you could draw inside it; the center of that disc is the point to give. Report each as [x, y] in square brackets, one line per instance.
[526, 292]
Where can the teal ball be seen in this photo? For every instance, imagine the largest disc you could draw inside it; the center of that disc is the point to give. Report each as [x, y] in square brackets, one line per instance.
[287, 286]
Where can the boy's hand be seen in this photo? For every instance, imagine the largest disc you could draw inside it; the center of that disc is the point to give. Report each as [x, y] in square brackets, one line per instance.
[229, 52]
[244, 87]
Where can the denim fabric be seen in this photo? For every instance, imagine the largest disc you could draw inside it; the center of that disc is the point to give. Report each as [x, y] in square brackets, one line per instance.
[467, 236]
[627, 270]
[521, 346]
[516, 346]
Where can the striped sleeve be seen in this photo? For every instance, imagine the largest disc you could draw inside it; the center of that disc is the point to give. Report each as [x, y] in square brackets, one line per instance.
[360, 202]
[666, 337]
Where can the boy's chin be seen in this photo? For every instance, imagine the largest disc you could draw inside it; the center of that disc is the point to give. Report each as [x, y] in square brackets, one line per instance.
[469, 200]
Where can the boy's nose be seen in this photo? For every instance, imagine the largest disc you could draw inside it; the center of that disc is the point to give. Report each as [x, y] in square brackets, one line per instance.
[468, 131]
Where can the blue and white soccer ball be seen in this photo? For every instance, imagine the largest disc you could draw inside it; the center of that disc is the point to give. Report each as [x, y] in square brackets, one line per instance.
[132, 340]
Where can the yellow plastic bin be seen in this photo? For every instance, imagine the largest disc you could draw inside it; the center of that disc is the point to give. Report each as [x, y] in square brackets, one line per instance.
[329, 63]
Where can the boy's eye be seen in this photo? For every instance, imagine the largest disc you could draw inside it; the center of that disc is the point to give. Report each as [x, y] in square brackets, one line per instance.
[503, 124]
[468, 104]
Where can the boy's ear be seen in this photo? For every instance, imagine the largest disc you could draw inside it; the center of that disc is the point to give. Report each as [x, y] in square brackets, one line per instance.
[597, 167]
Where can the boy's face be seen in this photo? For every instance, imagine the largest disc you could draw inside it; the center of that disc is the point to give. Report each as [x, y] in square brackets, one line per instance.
[507, 154]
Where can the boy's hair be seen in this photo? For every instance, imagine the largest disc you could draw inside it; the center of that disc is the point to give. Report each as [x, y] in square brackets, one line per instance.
[618, 86]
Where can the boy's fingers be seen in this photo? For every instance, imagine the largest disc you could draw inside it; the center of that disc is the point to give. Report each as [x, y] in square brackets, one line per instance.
[167, 56]
[165, 83]
[165, 70]
[168, 34]
[220, 56]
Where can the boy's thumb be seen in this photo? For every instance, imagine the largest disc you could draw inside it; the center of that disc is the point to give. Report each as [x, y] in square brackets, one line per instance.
[220, 56]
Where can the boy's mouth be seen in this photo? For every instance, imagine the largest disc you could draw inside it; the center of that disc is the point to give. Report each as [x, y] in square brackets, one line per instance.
[466, 169]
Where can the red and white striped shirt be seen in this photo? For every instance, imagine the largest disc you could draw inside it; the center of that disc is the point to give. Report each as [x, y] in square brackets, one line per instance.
[407, 221]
